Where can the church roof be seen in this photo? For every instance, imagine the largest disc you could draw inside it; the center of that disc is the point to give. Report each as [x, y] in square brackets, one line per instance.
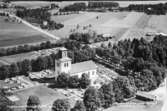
[82, 66]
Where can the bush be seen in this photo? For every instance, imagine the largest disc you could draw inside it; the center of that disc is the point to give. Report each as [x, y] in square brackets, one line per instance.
[79, 106]
[84, 81]
[61, 105]
[92, 99]
[73, 82]
[63, 80]
[33, 103]
[74, 7]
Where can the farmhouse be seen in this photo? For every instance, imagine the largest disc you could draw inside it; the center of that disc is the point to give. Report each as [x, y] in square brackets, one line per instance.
[63, 65]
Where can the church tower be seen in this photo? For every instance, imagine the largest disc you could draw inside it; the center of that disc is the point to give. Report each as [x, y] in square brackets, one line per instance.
[63, 64]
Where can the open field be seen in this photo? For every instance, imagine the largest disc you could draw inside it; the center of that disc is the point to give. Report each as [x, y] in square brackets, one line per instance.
[158, 23]
[106, 22]
[13, 33]
[121, 24]
[46, 95]
[28, 55]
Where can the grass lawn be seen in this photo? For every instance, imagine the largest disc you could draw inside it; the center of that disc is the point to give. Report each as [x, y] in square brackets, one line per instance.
[46, 95]
[12, 33]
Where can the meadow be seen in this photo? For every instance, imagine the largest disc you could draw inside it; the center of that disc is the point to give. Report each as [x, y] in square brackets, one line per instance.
[121, 24]
[13, 33]
[46, 95]
[106, 22]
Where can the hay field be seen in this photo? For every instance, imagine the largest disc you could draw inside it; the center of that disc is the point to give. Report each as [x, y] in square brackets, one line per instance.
[100, 25]
[126, 22]
[13, 33]
[115, 23]
[121, 24]
[147, 23]
[138, 29]
[158, 23]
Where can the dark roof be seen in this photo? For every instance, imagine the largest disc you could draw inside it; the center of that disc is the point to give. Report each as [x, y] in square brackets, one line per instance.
[82, 66]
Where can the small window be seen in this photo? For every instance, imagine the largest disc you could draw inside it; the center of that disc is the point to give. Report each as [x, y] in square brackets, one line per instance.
[67, 64]
[64, 64]
[93, 72]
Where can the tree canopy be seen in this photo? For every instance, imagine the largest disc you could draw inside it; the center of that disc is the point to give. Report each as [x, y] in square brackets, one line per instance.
[92, 99]
[33, 104]
[61, 105]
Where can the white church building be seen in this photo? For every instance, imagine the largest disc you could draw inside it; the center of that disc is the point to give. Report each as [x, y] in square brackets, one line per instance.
[64, 65]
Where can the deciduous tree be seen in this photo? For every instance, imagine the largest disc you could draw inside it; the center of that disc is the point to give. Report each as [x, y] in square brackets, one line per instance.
[33, 103]
[92, 99]
[61, 105]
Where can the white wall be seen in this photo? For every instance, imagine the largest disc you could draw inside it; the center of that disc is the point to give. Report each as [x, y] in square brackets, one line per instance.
[92, 74]
[62, 68]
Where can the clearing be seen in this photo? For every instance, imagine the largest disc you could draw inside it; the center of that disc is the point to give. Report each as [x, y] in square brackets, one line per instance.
[46, 95]
[104, 23]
